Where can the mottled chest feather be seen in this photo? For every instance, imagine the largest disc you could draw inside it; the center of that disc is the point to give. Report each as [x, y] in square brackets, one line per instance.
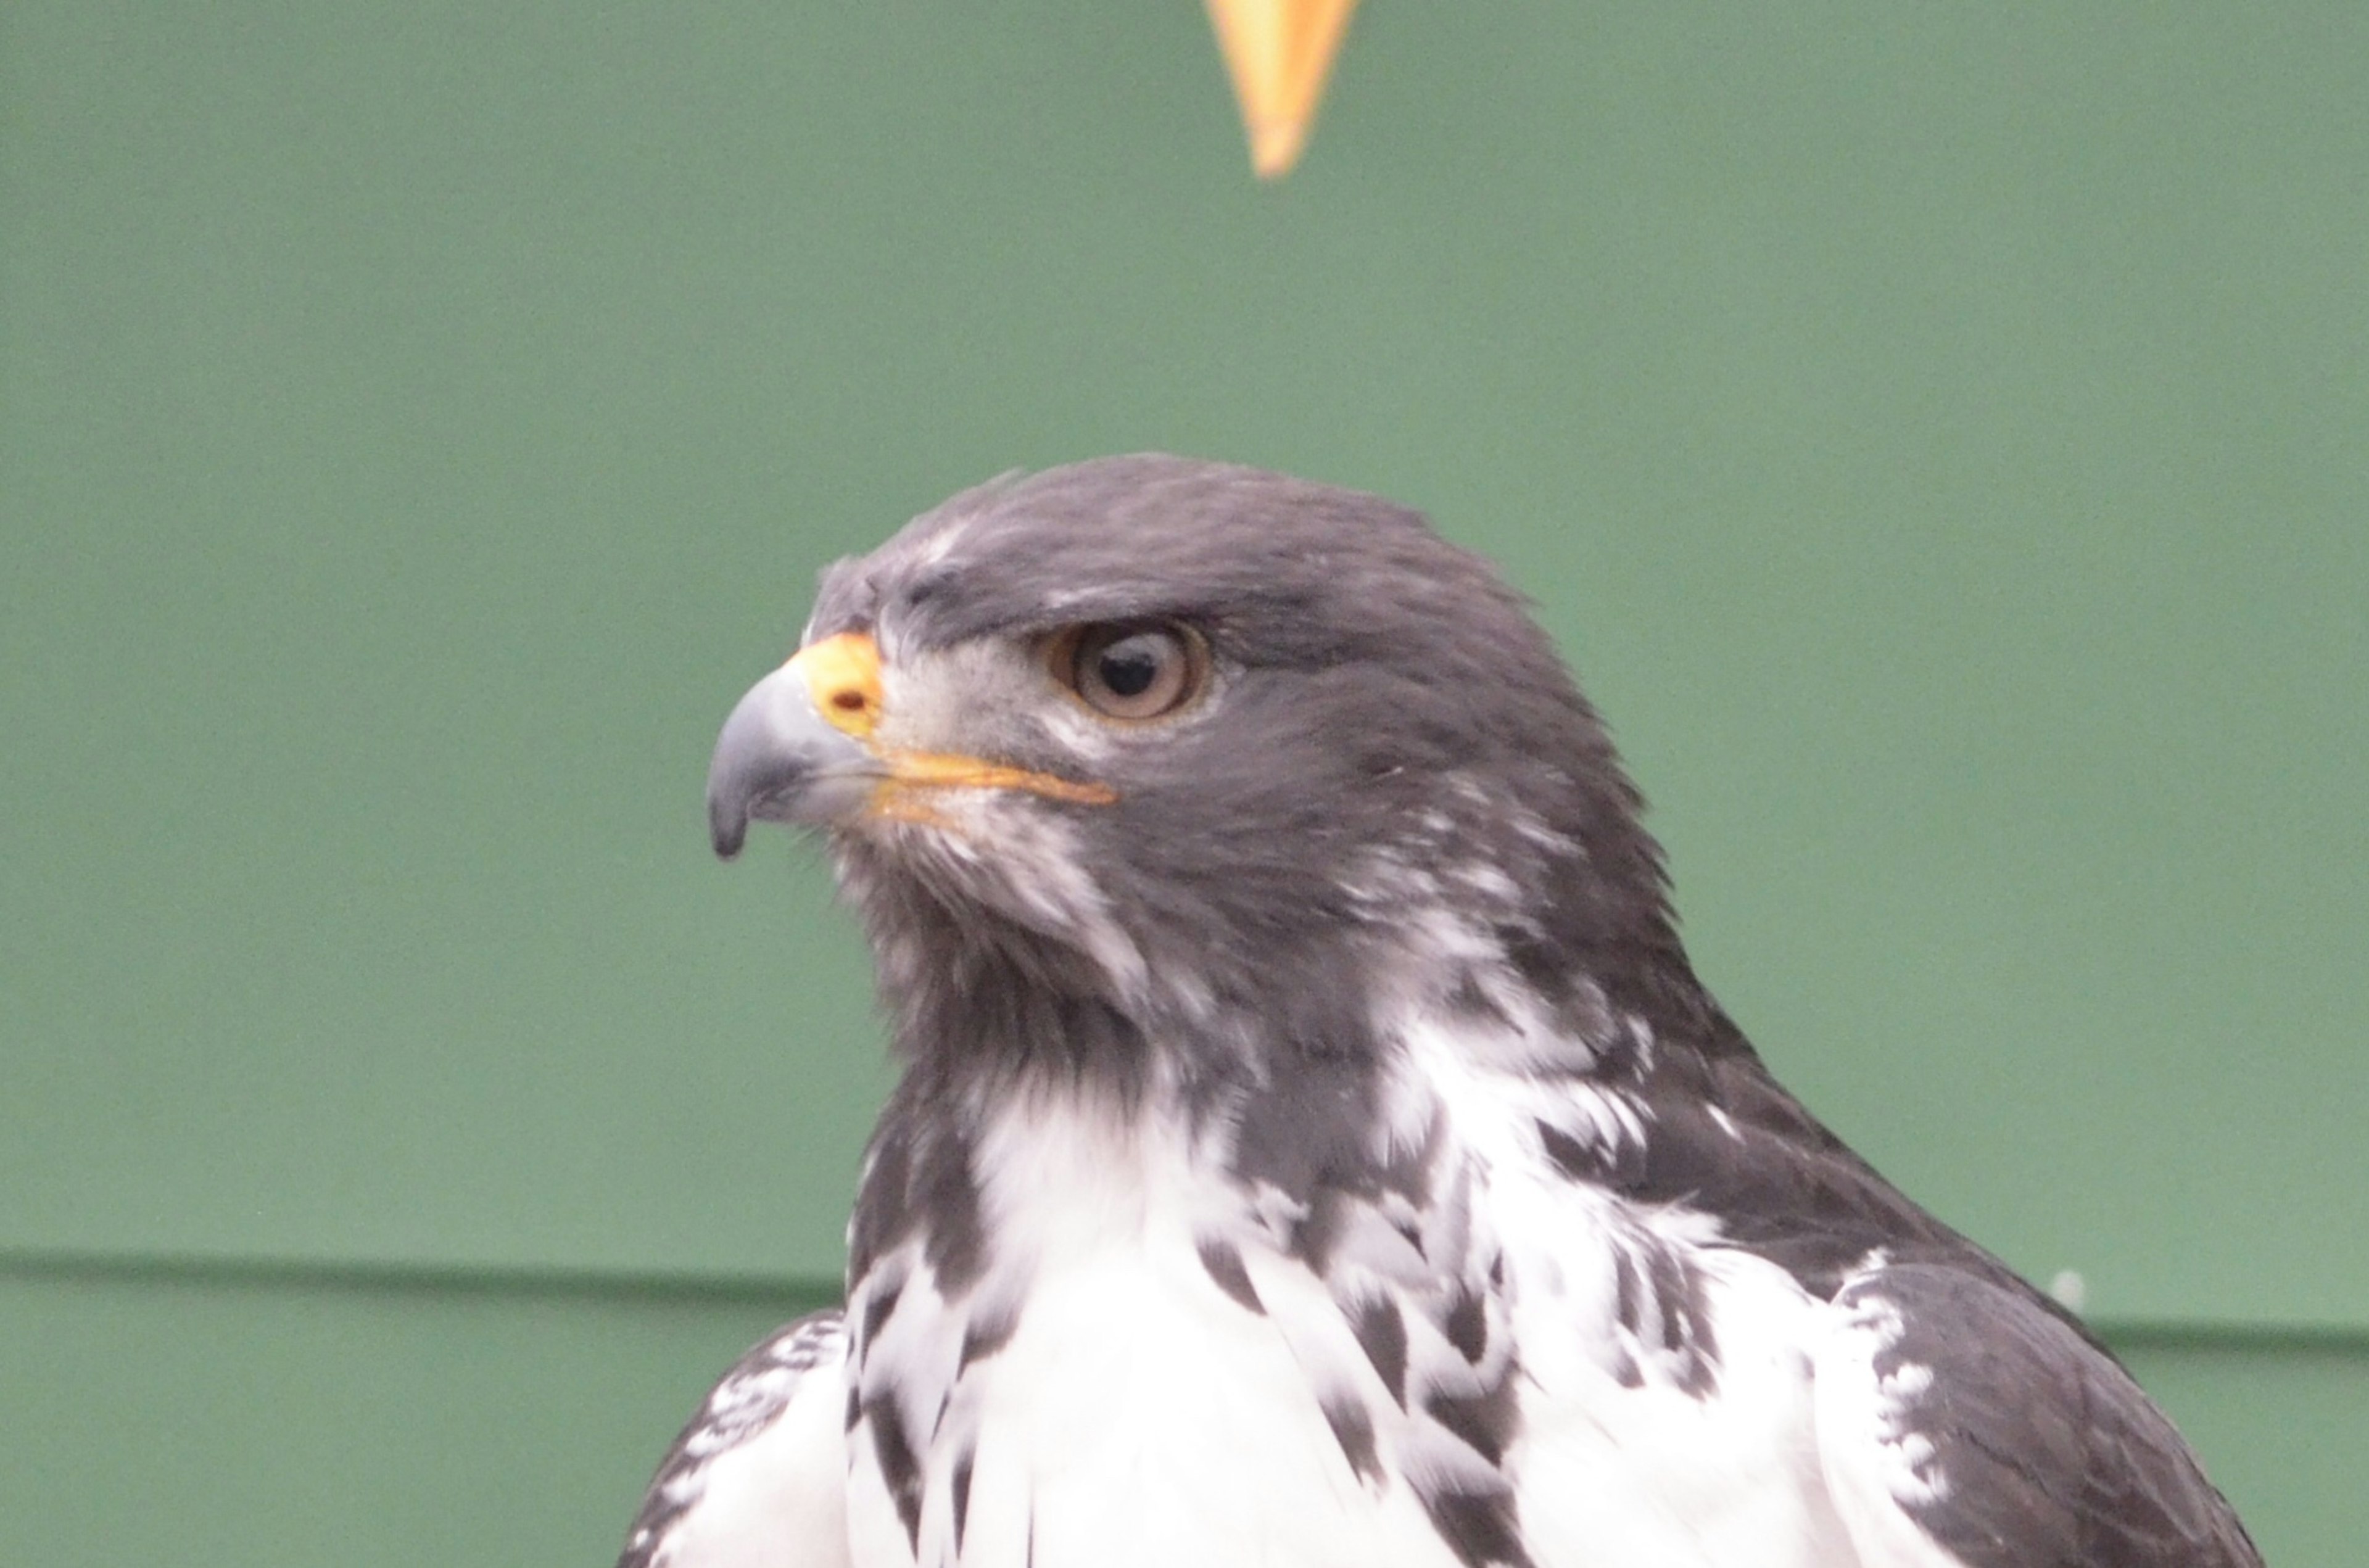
[1326, 1339]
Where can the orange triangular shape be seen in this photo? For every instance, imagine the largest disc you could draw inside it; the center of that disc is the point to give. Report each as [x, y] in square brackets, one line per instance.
[1279, 52]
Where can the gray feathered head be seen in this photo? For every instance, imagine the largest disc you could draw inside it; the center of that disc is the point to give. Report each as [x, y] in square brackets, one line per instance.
[1154, 748]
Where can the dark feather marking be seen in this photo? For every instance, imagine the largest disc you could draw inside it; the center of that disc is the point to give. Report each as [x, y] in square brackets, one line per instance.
[1467, 1324]
[900, 1470]
[1479, 1527]
[855, 1409]
[1313, 1234]
[984, 1334]
[1656, 1286]
[1673, 1298]
[962, 1495]
[1572, 1158]
[877, 1309]
[918, 1182]
[1353, 1429]
[1308, 1133]
[883, 1206]
[1686, 1326]
[1485, 1422]
[1620, 1055]
[1327, 1157]
[1698, 1372]
[1618, 1162]
[1224, 1263]
[956, 1240]
[1625, 1303]
[1383, 1335]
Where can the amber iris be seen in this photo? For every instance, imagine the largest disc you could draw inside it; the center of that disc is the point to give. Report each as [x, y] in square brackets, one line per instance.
[1131, 669]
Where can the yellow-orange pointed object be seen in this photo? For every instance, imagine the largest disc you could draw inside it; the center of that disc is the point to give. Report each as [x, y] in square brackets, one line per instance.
[1279, 52]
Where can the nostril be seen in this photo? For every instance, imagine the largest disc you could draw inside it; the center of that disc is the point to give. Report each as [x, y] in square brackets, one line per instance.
[848, 702]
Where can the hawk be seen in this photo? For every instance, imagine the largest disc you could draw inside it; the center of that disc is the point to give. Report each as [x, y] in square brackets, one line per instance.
[1311, 1148]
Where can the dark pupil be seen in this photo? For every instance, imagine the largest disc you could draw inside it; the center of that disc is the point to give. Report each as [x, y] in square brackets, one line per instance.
[1129, 667]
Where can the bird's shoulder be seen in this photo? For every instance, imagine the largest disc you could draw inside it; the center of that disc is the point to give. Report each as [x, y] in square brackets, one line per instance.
[1964, 1419]
[1958, 1413]
[1722, 1137]
[756, 1479]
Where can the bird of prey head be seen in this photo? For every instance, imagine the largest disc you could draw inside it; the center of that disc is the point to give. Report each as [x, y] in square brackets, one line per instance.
[1204, 754]
[1312, 1146]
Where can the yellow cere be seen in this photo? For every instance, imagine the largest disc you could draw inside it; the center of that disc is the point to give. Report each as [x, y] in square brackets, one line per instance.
[843, 676]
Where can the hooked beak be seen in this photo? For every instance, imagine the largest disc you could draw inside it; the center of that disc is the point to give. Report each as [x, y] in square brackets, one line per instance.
[795, 749]
[799, 748]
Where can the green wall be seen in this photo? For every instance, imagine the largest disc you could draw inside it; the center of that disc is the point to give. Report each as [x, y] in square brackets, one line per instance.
[266, 1417]
[1939, 435]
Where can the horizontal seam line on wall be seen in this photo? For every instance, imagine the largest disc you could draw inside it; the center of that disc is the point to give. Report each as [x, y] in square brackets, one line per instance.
[405, 1274]
[794, 1290]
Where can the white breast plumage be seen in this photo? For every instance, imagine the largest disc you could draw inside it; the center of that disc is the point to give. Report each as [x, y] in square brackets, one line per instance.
[1151, 1370]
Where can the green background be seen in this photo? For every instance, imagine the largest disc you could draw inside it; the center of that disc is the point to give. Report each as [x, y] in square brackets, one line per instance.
[1939, 435]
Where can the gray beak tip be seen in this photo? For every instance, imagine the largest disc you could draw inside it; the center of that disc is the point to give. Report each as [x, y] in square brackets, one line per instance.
[777, 760]
[727, 830]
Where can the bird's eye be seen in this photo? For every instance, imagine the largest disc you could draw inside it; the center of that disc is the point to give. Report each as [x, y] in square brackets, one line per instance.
[1131, 669]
